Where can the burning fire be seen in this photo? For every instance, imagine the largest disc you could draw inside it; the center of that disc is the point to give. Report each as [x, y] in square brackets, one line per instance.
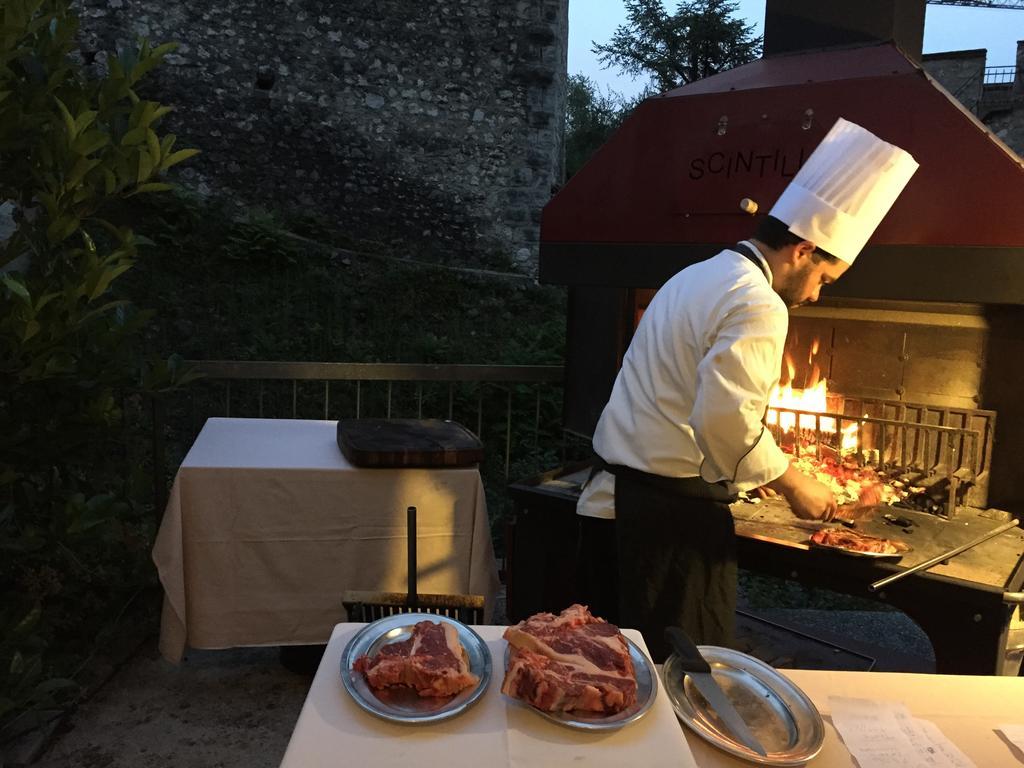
[812, 399]
[848, 468]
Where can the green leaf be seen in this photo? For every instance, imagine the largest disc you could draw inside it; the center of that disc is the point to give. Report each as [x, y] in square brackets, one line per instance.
[134, 136]
[166, 143]
[152, 186]
[49, 202]
[145, 166]
[16, 287]
[30, 620]
[177, 157]
[84, 120]
[108, 276]
[161, 111]
[69, 121]
[90, 141]
[81, 167]
[146, 116]
[44, 300]
[90, 244]
[61, 229]
[110, 305]
[163, 49]
[32, 327]
[153, 143]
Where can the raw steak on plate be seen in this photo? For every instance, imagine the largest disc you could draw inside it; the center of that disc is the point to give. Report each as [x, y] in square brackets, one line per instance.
[432, 661]
[570, 662]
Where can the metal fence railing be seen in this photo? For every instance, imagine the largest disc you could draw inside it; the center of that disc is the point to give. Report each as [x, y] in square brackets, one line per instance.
[1000, 75]
[507, 405]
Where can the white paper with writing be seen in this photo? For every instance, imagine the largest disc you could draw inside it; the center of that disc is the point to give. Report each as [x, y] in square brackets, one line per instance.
[883, 734]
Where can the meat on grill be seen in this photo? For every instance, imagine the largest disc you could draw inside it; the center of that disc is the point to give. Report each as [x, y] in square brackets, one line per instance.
[432, 661]
[857, 542]
[570, 662]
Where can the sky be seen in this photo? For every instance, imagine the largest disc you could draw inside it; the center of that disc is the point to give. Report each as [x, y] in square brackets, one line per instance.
[947, 28]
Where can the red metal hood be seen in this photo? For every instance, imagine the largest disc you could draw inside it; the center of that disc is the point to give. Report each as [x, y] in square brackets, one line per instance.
[664, 191]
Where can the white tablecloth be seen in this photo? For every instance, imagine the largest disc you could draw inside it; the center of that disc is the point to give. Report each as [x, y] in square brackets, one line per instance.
[966, 708]
[268, 523]
[495, 733]
[332, 730]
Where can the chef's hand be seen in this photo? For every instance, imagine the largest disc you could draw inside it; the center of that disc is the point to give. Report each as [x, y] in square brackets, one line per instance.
[807, 497]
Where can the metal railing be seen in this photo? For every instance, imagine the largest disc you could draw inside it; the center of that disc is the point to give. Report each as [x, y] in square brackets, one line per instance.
[236, 376]
[1000, 75]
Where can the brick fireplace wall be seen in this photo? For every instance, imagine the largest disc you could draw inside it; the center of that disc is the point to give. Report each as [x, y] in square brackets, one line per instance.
[958, 356]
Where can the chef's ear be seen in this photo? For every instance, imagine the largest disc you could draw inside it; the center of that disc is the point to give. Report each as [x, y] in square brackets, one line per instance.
[805, 249]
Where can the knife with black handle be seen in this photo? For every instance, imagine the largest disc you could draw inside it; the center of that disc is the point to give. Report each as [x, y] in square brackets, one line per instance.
[699, 671]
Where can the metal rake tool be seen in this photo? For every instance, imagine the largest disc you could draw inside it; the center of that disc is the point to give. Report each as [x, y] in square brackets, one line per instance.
[366, 606]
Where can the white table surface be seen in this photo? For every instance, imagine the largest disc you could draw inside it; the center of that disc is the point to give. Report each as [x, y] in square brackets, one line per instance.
[966, 708]
[332, 730]
[267, 524]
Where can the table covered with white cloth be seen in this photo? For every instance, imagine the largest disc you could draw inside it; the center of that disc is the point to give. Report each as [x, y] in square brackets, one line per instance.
[496, 731]
[268, 523]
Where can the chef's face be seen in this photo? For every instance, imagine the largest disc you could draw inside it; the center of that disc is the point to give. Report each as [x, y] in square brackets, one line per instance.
[810, 272]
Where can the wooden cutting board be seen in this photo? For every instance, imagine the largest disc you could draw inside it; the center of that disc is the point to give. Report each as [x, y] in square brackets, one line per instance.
[408, 443]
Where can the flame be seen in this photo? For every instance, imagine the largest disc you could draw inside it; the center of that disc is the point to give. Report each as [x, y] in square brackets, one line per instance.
[814, 400]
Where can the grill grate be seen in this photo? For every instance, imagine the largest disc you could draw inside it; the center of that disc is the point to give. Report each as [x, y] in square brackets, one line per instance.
[945, 452]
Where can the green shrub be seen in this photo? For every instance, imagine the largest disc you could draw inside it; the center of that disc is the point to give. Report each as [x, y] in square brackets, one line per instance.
[73, 540]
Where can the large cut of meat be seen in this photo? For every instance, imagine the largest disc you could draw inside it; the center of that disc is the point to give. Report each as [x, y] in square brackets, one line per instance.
[570, 662]
[857, 542]
[432, 661]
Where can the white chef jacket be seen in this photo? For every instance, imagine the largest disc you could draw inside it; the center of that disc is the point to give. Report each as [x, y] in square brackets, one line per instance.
[694, 384]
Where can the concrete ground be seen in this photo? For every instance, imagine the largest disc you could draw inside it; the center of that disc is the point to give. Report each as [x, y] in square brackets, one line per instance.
[237, 708]
[218, 709]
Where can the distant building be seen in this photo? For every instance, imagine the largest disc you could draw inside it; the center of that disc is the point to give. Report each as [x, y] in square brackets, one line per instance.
[994, 94]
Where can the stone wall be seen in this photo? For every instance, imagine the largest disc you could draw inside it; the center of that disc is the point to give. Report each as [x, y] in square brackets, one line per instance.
[434, 127]
[1008, 124]
[1008, 127]
[1000, 105]
[962, 73]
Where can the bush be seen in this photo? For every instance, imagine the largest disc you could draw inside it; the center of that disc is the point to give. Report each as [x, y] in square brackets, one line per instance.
[73, 539]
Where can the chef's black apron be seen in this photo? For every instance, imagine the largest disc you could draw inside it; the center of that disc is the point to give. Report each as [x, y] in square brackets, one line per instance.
[676, 553]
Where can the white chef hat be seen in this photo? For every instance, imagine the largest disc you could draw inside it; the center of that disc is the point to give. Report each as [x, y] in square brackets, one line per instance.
[843, 191]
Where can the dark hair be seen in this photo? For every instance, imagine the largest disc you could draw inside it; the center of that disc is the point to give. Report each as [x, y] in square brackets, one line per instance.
[775, 234]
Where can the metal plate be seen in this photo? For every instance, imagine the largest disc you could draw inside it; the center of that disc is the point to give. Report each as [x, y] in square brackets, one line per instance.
[780, 715]
[400, 704]
[646, 693]
[890, 556]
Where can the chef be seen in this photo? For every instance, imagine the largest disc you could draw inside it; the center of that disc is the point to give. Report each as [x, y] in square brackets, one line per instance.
[683, 429]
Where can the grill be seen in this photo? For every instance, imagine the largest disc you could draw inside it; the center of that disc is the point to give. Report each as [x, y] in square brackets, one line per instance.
[939, 454]
[920, 344]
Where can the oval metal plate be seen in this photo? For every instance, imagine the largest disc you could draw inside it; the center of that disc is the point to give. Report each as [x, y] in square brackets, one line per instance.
[400, 704]
[783, 719]
[646, 693]
[891, 556]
